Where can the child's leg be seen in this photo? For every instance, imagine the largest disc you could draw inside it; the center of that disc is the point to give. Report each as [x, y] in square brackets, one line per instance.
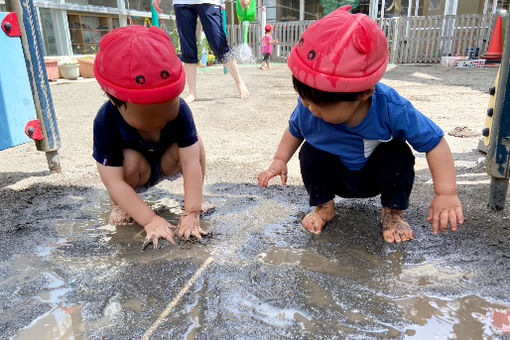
[191, 80]
[233, 69]
[391, 168]
[136, 173]
[319, 170]
[170, 165]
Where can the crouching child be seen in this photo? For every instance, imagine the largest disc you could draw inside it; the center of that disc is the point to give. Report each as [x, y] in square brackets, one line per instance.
[145, 133]
[354, 131]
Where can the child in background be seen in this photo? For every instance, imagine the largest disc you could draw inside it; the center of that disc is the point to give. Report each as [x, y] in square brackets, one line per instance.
[355, 129]
[145, 133]
[267, 46]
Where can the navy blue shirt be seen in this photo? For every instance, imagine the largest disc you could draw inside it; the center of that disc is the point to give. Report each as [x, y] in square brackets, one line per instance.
[112, 134]
[390, 117]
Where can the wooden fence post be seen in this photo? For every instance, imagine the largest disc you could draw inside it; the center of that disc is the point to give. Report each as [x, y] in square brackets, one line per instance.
[395, 43]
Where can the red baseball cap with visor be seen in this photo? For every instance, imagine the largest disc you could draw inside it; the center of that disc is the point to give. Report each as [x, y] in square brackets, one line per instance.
[138, 64]
[342, 52]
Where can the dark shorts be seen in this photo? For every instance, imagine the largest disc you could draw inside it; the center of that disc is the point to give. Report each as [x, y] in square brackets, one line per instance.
[389, 172]
[266, 57]
[156, 172]
[212, 23]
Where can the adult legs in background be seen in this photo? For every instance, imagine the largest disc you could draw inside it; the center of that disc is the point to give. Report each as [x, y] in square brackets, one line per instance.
[212, 23]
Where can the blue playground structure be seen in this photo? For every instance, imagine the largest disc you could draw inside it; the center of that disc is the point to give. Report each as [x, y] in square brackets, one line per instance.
[26, 105]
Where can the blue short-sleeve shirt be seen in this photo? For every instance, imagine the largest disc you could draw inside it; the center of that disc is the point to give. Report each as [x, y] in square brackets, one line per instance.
[112, 134]
[390, 117]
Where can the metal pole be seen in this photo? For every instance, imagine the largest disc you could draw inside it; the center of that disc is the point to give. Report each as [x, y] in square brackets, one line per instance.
[498, 154]
[34, 59]
[383, 4]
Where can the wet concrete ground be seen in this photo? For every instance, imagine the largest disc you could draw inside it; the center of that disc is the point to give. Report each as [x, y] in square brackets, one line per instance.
[66, 273]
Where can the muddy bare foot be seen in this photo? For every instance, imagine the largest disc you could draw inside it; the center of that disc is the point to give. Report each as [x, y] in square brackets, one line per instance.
[119, 217]
[317, 219]
[395, 226]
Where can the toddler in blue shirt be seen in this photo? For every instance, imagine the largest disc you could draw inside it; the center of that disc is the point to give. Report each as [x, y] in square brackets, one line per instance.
[354, 131]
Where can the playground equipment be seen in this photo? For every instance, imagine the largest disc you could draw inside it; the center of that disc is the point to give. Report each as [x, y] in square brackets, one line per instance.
[498, 153]
[246, 15]
[26, 104]
[486, 131]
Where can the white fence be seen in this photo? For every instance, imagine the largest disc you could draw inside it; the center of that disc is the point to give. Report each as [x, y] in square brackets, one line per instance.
[410, 39]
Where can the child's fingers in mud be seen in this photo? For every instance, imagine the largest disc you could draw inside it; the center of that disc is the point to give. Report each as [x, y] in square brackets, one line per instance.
[262, 178]
[284, 178]
[265, 176]
[150, 239]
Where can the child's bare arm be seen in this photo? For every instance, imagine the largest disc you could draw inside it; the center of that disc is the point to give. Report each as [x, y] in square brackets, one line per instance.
[189, 224]
[445, 207]
[127, 198]
[286, 149]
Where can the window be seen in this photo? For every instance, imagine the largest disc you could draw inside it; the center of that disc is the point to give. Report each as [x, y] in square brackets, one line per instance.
[102, 3]
[48, 32]
[87, 29]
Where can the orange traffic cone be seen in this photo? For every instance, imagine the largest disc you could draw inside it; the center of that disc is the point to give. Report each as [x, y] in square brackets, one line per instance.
[494, 51]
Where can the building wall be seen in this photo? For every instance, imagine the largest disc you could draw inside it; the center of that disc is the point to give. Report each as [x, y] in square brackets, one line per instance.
[436, 7]
[470, 7]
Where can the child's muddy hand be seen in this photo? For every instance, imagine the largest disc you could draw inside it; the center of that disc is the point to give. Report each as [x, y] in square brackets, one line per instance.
[444, 210]
[156, 228]
[189, 225]
[278, 167]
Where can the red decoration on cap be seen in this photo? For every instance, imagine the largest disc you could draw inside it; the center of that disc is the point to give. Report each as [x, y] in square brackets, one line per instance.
[268, 27]
[342, 52]
[33, 129]
[138, 64]
[10, 25]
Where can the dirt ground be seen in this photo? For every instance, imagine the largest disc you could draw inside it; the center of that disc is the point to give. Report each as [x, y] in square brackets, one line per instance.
[65, 272]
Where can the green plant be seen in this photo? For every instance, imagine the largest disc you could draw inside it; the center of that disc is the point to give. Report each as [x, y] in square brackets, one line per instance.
[172, 32]
[207, 47]
[201, 46]
[210, 58]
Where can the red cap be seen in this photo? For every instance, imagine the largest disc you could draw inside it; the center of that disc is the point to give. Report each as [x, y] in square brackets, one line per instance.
[342, 52]
[268, 27]
[138, 64]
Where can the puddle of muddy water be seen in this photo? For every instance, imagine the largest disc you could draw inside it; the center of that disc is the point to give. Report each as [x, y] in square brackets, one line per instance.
[424, 317]
[62, 322]
[421, 314]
